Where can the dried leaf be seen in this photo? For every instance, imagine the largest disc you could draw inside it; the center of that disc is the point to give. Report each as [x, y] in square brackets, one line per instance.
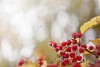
[92, 23]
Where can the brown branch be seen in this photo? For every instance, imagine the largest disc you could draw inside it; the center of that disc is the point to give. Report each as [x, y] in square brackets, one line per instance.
[92, 53]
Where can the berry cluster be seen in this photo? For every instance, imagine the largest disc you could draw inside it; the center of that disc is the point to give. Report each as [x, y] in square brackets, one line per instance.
[71, 50]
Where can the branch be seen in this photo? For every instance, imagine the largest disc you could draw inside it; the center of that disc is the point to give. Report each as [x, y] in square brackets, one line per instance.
[92, 53]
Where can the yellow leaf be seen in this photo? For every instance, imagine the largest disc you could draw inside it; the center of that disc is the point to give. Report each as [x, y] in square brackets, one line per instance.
[85, 52]
[96, 41]
[83, 64]
[92, 23]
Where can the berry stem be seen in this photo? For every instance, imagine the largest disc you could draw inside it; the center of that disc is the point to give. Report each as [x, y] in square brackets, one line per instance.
[79, 43]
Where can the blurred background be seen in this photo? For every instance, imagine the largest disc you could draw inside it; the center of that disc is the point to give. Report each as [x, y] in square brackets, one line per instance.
[26, 26]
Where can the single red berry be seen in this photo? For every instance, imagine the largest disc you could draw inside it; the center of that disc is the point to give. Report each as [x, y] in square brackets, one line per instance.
[74, 59]
[66, 55]
[68, 49]
[50, 43]
[72, 54]
[98, 53]
[66, 61]
[91, 47]
[74, 41]
[54, 44]
[60, 47]
[84, 46]
[79, 58]
[40, 58]
[79, 35]
[64, 43]
[81, 50]
[21, 62]
[98, 47]
[63, 63]
[56, 49]
[61, 53]
[74, 48]
[76, 64]
[68, 42]
[74, 35]
[40, 62]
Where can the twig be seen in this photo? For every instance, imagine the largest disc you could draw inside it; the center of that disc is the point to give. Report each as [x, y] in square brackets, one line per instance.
[92, 53]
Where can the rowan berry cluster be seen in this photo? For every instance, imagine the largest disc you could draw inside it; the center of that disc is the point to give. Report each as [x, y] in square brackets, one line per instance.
[70, 51]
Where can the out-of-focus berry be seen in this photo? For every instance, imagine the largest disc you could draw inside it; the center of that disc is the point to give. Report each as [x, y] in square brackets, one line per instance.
[68, 42]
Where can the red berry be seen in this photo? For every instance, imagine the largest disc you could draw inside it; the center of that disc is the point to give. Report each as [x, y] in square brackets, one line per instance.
[81, 50]
[74, 59]
[61, 53]
[68, 42]
[76, 64]
[68, 49]
[66, 61]
[98, 53]
[60, 47]
[74, 35]
[91, 47]
[40, 62]
[64, 43]
[21, 62]
[74, 41]
[63, 63]
[50, 43]
[74, 48]
[79, 35]
[56, 49]
[54, 44]
[41, 58]
[66, 55]
[98, 47]
[84, 46]
[79, 58]
[72, 54]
